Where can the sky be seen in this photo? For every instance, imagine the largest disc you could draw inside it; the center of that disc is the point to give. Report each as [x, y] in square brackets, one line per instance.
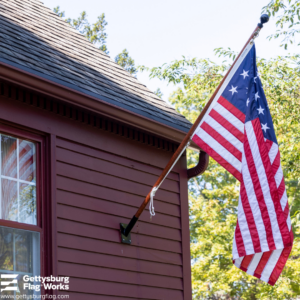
[159, 31]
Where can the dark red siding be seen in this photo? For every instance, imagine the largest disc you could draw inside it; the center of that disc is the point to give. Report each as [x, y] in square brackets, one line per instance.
[99, 179]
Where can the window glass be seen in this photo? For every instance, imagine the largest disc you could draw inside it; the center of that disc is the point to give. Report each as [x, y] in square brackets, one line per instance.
[27, 161]
[19, 255]
[9, 156]
[18, 180]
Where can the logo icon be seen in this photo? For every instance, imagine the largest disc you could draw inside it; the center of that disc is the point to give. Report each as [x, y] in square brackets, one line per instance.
[13, 281]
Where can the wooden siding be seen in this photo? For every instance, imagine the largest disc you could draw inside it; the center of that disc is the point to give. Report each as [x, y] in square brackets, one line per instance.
[99, 179]
[95, 192]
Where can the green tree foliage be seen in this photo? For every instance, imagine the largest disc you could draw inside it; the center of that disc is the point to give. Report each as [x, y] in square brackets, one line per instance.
[95, 33]
[158, 93]
[288, 20]
[126, 62]
[214, 195]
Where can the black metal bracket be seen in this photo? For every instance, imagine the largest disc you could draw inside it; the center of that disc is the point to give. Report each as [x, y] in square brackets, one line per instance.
[125, 239]
[126, 229]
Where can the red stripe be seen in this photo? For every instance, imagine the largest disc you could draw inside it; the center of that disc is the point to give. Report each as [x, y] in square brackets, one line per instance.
[262, 263]
[236, 112]
[271, 182]
[217, 157]
[221, 140]
[276, 163]
[246, 262]
[269, 144]
[286, 210]
[281, 189]
[280, 265]
[227, 125]
[259, 194]
[250, 219]
[239, 241]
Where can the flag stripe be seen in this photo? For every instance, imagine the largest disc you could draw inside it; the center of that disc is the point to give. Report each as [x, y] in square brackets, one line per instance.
[254, 263]
[256, 208]
[278, 176]
[281, 190]
[273, 151]
[264, 259]
[229, 116]
[271, 184]
[250, 219]
[221, 140]
[210, 148]
[239, 240]
[236, 112]
[238, 261]
[262, 176]
[280, 265]
[276, 163]
[268, 269]
[223, 131]
[227, 125]
[234, 249]
[245, 232]
[246, 262]
[259, 194]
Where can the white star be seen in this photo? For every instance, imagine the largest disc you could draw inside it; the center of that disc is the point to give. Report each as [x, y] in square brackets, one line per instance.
[264, 127]
[256, 96]
[247, 101]
[254, 79]
[260, 110]
[233, 90]
[245, 74]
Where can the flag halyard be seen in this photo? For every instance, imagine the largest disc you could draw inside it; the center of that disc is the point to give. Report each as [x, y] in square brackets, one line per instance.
[237, 131]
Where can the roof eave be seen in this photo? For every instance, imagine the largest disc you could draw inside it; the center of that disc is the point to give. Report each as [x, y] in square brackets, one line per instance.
[66, 94]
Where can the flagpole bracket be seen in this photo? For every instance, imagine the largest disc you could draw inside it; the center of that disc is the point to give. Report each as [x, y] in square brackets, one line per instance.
[125, 239]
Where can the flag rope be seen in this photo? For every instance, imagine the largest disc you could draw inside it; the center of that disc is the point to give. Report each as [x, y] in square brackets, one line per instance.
[155, 188]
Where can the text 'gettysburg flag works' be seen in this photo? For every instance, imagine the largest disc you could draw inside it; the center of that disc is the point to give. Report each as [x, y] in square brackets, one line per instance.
[237, 131]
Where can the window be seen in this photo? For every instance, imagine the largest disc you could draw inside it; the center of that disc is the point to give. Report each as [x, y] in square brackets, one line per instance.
[19, 218]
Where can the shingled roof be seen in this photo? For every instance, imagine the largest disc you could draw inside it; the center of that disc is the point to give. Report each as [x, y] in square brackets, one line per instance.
[36, 40]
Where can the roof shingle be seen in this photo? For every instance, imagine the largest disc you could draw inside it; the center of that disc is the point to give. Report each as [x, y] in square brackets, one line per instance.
[37, 40]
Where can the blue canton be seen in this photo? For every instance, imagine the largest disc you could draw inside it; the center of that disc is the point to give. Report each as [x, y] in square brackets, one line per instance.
[245, 92]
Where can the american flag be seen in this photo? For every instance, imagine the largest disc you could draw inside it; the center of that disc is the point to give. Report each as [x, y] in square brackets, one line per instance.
[237, 131]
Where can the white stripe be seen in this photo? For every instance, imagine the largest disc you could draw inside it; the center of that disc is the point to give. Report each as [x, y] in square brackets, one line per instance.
[254, 263]
[254, 206]
[238, 261]
[273, 152]
[225, 133]
[235, 253]
[226, 82]
[283, 200]
[224, 153]
[229, 117]
[261, 172]
[244, 229]
[266, 273]
[278, 176]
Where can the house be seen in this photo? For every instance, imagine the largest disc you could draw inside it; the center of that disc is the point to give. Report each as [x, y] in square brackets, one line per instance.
[82, 143]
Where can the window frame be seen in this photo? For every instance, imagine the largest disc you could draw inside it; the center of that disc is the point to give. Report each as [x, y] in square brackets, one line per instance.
[40, 143]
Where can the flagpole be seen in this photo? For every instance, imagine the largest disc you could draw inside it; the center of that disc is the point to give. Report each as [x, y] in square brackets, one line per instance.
[186, 141]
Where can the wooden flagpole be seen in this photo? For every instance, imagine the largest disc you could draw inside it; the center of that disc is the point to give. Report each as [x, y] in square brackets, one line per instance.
[126, 230]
